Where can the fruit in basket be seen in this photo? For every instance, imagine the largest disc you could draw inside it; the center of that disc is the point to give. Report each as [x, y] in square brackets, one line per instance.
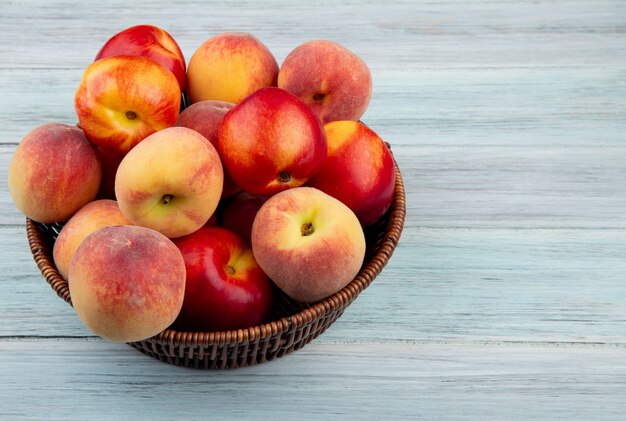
[151, 42]
[229, 67]
[127, 283]
[309, 243]
[332, 80]
[239, 214]
[123, 99]
[170, 182]
[271, 141]
[110, 162]
[205, 117]
[126, 280]
[94, 215]
[54, 172]
[358, 170]
[225, 288]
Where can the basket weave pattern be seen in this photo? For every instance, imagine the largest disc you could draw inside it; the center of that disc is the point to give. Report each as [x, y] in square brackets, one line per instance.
[293, 326]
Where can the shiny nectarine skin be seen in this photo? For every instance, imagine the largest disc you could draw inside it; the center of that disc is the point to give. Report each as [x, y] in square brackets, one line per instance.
[359, 170]
[239, 214]
[225, 287]
[110, 161]
[150, 42]
[123, 99]
[271, 141]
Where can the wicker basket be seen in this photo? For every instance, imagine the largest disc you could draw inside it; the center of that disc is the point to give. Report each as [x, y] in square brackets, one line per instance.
[293, 326]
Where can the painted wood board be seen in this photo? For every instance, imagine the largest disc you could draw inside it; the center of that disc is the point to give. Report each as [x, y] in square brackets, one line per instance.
[506, 296]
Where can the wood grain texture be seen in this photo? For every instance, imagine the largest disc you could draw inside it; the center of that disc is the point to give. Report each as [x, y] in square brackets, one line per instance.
[509, 285]
[506, 296]
[321, 381]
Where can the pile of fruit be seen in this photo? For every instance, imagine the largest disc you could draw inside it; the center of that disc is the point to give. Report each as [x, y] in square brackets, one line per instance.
[193, 218]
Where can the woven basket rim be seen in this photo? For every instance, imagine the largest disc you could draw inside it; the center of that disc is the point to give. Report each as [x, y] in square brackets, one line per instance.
[337, 301]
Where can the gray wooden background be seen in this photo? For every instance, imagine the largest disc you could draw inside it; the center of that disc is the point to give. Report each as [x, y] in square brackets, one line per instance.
[506, 298]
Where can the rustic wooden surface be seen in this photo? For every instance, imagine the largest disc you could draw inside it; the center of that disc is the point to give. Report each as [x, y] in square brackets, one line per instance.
[506, 298]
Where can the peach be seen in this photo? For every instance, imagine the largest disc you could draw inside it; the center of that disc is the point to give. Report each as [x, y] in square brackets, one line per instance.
[205, 117]
[170, 182]
[123, 99]
[332, 80]
[150, 42]
[309, 243]
[271, 141]
[229, 67]
[54, 172]
[94, 215]
[359, 170]
[127, 283]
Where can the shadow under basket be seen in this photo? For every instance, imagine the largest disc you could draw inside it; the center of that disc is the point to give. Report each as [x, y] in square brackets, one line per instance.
[293, 324]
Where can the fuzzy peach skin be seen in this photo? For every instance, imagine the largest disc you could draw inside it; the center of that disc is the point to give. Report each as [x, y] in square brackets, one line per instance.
[94, 215]
[229, 67]
[309, 243]
[170, 182]
[332, 80]
[123, 99]
[359, 170]
[127, 283]
[151, 42]
[271, 141]
[53, 173]
[205, 117]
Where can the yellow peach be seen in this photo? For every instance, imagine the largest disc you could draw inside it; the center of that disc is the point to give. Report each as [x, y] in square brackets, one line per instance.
[229, 67]
[171, 182]
[309, 243]
[94, 215]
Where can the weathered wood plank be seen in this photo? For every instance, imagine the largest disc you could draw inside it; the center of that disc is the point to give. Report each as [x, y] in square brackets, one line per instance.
[29, 307]
[505, 298]
[454, 284]
[504, 187]
[322, 381]
[445, 78]
[433, 108]
[417, 106]
[480, 33]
